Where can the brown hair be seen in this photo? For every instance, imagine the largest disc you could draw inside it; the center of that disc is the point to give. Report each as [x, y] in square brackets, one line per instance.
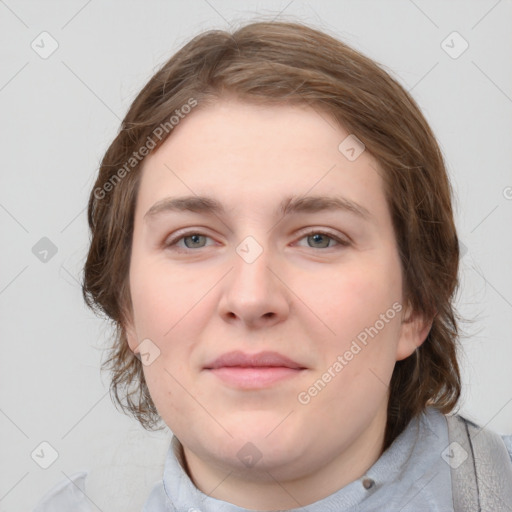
[276, 63]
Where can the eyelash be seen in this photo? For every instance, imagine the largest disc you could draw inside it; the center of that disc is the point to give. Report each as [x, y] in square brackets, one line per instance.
[172, 243]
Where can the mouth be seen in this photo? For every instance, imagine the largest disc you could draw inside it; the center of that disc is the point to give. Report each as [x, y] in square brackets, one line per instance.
[253, 371]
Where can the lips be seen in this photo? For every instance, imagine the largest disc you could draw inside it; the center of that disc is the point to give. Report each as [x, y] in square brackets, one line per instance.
[242, 371]
[241, 359]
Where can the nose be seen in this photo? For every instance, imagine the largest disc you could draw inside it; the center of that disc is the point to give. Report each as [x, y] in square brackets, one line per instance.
[254, 293]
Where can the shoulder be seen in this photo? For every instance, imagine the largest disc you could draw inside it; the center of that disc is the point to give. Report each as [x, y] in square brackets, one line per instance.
[489, 433]
[157, 499]
[508, 443]
[482, 439]
[68, 494]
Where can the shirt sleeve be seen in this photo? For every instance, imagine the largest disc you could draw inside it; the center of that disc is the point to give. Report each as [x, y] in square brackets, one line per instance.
[67, 495]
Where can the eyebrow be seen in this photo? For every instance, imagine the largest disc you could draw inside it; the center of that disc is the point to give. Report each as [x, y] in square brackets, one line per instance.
[289, 205]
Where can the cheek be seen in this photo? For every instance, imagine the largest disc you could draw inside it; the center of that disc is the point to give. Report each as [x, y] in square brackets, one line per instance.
[166, 393]
[363, 310]
[161, 298]
[359, 295]
[170, 309]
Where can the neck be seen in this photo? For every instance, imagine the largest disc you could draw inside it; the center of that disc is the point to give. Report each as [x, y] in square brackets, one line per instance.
[282, 488]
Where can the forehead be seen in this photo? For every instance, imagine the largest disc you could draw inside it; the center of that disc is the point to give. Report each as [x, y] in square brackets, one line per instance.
[260, 154]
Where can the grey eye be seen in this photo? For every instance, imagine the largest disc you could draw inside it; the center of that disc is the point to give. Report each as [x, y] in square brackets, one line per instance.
[319, 239]
[196, 241]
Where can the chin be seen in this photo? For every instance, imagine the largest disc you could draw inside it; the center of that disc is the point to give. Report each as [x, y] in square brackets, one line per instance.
[265, 426]
[256, 459]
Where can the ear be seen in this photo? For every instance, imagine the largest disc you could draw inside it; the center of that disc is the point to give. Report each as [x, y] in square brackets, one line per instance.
[414, 331]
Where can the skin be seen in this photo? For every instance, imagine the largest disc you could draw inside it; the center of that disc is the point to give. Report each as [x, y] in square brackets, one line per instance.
[304, 297]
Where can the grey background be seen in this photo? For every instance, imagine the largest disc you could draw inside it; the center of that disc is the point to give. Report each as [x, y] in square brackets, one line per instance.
[60, 114]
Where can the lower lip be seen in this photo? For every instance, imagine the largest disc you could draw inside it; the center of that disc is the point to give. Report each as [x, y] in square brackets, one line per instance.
[254, 377]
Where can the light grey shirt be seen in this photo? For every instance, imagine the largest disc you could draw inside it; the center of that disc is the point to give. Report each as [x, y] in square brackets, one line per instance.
[412, 475]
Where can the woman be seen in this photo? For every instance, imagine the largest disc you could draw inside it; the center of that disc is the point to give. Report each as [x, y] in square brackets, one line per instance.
[273, 235]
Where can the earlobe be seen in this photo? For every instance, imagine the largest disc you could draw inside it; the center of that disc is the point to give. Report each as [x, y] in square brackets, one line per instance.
[414, 332]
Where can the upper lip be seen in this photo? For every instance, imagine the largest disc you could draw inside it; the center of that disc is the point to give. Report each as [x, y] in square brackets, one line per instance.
[261, 359]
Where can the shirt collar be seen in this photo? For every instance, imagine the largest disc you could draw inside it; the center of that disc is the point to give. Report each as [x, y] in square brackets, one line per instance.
[396, 470]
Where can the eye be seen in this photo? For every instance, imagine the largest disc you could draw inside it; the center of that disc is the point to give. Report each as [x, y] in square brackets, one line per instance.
[322, 240]
[192, 240]
[195, 240]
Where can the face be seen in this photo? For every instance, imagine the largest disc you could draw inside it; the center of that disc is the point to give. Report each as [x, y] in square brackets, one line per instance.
[299, 259]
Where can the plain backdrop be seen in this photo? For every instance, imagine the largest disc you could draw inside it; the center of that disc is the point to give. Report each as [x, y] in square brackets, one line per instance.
[60, 113]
